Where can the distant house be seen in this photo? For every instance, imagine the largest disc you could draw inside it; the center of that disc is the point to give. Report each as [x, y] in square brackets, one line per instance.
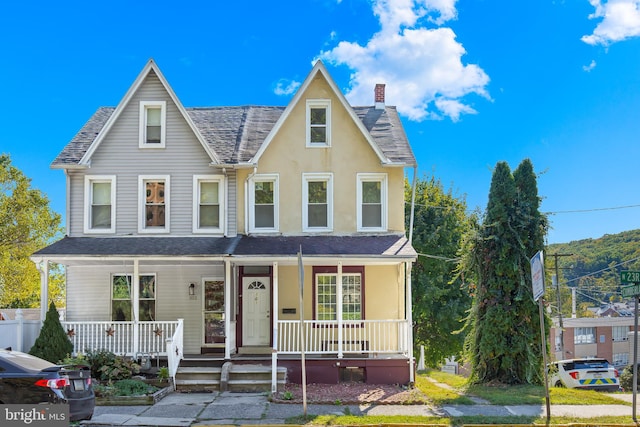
[189, 229]
[606, 337]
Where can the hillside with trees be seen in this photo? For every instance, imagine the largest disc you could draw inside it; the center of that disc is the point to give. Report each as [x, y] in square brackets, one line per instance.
[594, 268]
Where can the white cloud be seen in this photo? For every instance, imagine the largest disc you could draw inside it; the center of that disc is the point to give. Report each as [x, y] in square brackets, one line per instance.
[422, 67]
[620, 21]
[589, 67]
[286, 87]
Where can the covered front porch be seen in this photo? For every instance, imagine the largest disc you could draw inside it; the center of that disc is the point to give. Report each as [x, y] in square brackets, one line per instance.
[262, 301]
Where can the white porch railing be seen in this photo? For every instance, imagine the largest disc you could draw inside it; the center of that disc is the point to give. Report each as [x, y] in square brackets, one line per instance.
[353, 336]
[122, 338]
[175, 351]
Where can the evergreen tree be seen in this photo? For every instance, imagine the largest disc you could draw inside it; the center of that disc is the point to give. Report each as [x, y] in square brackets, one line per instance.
[503, 341]
[440, 302]
[52, 344]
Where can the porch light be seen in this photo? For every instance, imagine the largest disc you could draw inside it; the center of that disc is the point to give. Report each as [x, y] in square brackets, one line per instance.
[192, 289]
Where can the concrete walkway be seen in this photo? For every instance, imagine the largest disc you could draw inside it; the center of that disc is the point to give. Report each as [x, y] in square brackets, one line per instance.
[203, 409]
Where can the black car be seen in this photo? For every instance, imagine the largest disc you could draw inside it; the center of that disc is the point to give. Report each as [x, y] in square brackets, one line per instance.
[26, 379]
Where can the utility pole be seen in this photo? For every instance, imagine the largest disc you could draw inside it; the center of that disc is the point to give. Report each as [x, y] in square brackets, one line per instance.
[560, 325]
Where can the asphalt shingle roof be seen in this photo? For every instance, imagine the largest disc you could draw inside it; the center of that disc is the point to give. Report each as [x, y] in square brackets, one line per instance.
[236, 133]
[382, 246]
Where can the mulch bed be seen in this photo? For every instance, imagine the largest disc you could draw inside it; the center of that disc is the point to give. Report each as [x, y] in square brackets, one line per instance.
[351, 394]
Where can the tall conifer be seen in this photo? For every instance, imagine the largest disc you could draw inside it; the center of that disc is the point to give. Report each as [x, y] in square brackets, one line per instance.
[503, 343]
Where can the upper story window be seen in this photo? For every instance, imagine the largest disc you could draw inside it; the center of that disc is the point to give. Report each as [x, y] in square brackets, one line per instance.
[154, 204]
[318, 123]
[263, 203]
[620, 333]
[372, 202]
[317, 202]
[153, 118]
[100, 204]
[584, 335]
[208, 204]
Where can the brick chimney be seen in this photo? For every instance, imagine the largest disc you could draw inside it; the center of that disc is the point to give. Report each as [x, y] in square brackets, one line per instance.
[379, 96]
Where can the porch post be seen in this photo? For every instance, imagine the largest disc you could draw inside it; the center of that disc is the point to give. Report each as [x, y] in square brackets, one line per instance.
[135, 296]
[339, 309]
[43, 268]
[274, 352]
[227, 309]
[409, 317]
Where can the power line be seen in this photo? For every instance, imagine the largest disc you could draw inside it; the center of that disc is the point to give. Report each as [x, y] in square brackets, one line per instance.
[592, 210]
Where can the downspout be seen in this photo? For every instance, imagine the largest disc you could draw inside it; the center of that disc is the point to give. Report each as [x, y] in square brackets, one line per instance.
[408, 280]
[246, 200]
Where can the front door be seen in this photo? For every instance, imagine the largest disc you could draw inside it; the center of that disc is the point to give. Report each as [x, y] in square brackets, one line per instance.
[256, 311]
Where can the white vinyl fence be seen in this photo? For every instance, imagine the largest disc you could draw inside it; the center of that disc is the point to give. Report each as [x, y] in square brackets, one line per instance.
[19, 334]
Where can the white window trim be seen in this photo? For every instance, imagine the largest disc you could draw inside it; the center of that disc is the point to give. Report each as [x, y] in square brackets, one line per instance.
[144, 105]
[372, 177]
[88, 180]
[142, 203]
[276, 202]
[318, 103]
[197, 179]
[315, 177]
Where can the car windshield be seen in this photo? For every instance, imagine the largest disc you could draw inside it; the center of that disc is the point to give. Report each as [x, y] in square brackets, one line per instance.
[586, 364]
[25, 361]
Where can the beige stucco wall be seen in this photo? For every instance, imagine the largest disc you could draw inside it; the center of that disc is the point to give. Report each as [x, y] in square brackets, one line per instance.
[383, 295]
[349, 154]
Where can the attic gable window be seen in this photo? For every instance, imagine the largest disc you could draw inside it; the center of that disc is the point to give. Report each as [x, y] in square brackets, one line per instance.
[154, 204]
[318, 123]
[153, 117]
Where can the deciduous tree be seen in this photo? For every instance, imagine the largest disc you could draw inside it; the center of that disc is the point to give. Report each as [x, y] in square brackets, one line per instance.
[440, 301]
[26, 224]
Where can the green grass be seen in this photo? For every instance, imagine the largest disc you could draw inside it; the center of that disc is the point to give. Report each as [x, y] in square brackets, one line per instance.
[397, 420]
[438, 395]
[508, 395]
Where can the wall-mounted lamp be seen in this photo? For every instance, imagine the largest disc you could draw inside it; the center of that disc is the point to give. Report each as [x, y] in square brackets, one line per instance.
[192, 289]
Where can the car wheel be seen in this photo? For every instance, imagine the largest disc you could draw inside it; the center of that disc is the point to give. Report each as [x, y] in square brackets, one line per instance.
[559, 384]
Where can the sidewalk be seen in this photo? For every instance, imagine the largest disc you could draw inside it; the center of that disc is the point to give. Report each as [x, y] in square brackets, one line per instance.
[202, 409]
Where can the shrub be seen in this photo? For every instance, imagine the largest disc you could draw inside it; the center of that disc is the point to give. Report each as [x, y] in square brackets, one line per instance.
[52, 344]
[132, 387]
[121, 368]
[626, 378]
[97, 359]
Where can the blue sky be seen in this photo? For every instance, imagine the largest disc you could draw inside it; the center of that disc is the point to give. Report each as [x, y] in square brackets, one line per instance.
[476, 82]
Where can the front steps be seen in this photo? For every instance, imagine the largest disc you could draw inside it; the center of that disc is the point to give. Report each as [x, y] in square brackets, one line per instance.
[214, 375]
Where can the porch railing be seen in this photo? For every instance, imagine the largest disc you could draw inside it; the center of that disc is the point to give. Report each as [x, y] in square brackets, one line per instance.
[175, 351]
[122, 338]
[353, 336]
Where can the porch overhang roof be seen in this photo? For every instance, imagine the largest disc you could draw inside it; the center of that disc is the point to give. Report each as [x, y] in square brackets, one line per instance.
[389, 247]
[138, 247]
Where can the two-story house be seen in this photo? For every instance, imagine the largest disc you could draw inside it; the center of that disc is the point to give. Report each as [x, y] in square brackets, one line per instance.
[240, 231]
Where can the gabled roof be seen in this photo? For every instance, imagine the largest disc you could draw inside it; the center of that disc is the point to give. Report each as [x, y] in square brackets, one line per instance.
[239, 135]
[319, 68]
[151, 67]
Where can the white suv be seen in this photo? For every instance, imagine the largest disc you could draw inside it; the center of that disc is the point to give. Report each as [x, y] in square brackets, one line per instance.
[589, 373]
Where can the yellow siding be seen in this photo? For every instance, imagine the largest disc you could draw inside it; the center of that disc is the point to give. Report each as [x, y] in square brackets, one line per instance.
[349, 154]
